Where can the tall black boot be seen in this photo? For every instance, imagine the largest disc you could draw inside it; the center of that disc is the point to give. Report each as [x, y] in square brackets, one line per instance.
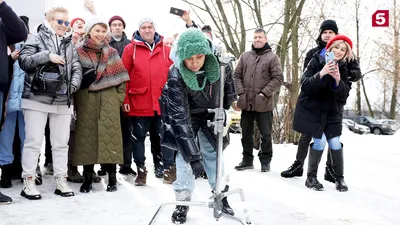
[313, 162]
[337, 166]
[6, 175]
[112, 177]
[329, 174]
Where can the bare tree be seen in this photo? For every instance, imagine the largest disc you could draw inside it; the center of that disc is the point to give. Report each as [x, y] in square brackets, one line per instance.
[389, 60]
[396, 72]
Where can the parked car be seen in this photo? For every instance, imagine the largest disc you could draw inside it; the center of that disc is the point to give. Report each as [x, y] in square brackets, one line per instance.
[374, 125]
[393, 123]
[355, 127]
[235, 120]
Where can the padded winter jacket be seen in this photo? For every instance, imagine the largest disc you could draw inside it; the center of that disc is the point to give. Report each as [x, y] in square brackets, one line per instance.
[148, 71]
[17, 86]
[35, 54]
[258, 73]
[184, 112]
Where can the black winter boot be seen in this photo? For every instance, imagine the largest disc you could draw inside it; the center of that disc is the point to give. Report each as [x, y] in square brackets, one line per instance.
[226, 208]
[74, 175]
[179, 215]
[6, 175]
[295, 170]
[337, 166]
[313, 162]
[244, 165]
[4, 199]
[87, 183]
[112, 178]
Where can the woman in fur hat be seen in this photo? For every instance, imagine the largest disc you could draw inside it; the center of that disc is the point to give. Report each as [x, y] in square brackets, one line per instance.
[319, 109]
[192, 88]
[98, 138]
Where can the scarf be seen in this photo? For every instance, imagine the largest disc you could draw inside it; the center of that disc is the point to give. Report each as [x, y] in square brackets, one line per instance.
[110, 71]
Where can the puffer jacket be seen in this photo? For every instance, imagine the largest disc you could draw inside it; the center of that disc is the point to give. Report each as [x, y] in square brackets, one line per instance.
[17, 86]
[34, 55]
[184, 112]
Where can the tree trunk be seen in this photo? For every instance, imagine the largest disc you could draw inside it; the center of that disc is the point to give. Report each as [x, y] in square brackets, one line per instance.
[396, 70]
[358, 87]
[294, 88]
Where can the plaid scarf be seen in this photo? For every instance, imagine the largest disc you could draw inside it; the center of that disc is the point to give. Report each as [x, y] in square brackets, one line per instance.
[110, 70]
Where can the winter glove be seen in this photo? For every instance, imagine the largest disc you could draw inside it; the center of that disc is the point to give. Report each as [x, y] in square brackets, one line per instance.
[197, 168]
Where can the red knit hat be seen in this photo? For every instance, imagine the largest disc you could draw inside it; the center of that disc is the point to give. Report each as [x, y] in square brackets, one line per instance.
[116, 18]
[338, 38]
[76, 19]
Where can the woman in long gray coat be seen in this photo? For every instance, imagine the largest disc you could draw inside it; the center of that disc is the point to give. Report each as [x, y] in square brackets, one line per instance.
[50, 46]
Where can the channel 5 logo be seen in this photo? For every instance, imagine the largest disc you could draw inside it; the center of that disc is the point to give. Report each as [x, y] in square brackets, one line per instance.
[380, 18]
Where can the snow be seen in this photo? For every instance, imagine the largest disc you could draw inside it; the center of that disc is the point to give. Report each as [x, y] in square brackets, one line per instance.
[371, 171]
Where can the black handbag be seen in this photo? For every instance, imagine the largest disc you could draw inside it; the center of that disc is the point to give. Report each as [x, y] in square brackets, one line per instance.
[48, 79]
[88, 78]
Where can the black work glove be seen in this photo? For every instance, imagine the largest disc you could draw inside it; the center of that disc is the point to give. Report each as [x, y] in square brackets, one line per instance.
[197, 168]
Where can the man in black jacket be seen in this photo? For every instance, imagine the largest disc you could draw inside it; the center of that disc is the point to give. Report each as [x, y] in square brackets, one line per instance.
[328, 30]
[12, 30]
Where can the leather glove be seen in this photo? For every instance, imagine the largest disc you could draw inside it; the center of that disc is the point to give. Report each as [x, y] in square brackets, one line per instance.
[197, 168]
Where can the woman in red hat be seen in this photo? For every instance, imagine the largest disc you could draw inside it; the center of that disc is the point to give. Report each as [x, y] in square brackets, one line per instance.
[325, 87]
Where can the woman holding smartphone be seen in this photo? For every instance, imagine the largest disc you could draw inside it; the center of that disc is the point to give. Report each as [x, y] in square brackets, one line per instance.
[319, 110]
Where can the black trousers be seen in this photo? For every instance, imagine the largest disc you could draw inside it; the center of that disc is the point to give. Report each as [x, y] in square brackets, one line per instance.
[264, 123]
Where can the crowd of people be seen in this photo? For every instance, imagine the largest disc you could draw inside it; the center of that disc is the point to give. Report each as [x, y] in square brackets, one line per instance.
[94, 95]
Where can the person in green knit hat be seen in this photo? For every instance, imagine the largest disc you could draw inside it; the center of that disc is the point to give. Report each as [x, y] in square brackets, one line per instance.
[192, 88]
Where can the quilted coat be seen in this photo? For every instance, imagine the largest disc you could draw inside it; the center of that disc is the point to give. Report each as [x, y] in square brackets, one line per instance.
[98, 138]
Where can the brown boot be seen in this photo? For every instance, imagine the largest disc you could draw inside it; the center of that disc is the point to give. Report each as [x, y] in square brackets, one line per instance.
[169, 175]
[141, 176]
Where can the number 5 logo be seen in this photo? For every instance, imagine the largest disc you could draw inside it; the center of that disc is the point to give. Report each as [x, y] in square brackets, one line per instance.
[380, 18]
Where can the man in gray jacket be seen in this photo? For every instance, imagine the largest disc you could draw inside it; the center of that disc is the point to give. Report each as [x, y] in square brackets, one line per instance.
[258, 76]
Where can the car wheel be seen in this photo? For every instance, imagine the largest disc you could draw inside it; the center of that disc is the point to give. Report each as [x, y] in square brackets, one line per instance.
[377, 131]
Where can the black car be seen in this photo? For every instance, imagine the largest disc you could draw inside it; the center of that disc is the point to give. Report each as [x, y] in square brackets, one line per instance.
[374, 125]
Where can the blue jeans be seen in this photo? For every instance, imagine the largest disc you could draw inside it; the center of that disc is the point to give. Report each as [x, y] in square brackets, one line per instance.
[7, 136]
[333, 143]
[185, 179]
[139, 127]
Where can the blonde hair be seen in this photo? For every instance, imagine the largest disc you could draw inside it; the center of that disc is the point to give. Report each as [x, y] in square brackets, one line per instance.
[54, 10]
[349, 56]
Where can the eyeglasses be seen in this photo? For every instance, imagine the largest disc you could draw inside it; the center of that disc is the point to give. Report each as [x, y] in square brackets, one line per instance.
[61, 22]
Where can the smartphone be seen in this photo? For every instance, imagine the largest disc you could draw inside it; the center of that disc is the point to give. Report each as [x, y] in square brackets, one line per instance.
[176, 11]
[329, 56]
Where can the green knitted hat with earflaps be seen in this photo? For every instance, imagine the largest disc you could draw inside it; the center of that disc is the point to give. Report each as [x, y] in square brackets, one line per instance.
[194, 42]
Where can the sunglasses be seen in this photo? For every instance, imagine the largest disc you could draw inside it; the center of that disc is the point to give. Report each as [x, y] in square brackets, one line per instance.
[61, 22]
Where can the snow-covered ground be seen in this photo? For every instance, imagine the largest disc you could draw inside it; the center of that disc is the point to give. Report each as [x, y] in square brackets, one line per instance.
[371, 171]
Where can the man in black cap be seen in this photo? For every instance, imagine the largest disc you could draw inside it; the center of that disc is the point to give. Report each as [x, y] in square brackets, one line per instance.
[327, 31]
